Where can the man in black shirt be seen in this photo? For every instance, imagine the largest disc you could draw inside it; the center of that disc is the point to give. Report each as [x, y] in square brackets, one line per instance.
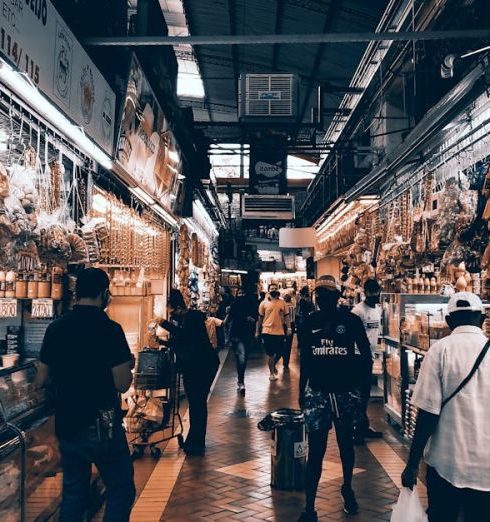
[243, 316]
[85, 356]
[335, 358]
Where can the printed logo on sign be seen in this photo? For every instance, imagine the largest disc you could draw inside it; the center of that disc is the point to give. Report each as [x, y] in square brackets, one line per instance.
[270, 95]
[300, 449]
[341, 329]
[87, 93]
[268, 170]
[63, 65]
[107, 117]
[273, 448]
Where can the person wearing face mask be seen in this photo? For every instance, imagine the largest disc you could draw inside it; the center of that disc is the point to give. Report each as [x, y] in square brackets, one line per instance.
[272, 326]
[370, 314]
[86, 359]
[335, 360]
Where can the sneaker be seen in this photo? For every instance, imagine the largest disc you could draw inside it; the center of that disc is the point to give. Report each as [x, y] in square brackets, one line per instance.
[273, 377]
[241, 388]
[351, 507]
[308, 516]
[373, 434]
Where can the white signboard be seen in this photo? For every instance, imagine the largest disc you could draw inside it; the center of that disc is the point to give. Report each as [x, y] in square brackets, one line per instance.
[35, 39]
[42, 308]
[8, 308]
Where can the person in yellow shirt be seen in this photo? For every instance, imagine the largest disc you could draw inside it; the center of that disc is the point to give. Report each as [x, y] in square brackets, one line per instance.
[272, 327]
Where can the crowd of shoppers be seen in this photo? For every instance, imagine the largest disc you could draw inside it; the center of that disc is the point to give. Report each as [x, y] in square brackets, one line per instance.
[336, 356]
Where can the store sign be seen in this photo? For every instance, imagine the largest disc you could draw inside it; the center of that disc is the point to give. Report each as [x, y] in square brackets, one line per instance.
[8, 308]
[147, 148]
[270, 95]
[36, 40]
[268, 166]
[42, 308]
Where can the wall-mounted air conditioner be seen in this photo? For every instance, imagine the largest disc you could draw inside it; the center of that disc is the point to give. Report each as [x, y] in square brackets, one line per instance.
[278, 208]
[268, 97]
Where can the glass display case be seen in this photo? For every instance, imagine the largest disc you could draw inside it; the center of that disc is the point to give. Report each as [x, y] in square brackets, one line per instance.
[411, 324]
[33, 453]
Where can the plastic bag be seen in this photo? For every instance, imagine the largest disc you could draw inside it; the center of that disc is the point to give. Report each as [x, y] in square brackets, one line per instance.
[408, 507]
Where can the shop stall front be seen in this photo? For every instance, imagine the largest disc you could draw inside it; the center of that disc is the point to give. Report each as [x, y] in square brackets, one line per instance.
[425, 238]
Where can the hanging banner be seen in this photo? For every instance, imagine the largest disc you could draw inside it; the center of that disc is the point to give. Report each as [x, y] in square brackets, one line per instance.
[35, 39]
[268, 166]
[147, 148]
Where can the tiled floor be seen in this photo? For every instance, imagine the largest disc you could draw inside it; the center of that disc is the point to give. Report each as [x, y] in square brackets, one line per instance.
[232, 481]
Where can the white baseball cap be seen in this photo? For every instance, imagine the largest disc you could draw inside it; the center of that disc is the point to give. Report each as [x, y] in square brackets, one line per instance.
[464, 302]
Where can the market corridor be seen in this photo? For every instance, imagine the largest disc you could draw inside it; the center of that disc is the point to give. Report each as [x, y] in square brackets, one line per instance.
[232, 481]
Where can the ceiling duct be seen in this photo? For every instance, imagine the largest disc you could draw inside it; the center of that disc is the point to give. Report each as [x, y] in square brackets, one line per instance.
[277, 208]
[268, 97]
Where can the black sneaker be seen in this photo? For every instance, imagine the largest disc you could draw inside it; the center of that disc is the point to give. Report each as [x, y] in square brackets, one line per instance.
[308, 516]
[373, 434]
[351, 507]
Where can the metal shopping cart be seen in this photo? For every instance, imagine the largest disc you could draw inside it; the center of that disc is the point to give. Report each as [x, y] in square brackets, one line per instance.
[155, 402]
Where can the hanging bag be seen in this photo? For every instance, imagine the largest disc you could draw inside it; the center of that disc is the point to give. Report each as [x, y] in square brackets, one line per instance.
[408, 507]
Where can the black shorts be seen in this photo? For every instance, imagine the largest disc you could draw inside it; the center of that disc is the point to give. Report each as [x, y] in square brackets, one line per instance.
[273, 344]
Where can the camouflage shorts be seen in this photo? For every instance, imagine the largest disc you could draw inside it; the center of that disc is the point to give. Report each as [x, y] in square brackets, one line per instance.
[322, 410]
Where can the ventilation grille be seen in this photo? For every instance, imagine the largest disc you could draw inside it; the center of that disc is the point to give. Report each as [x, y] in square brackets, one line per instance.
[268, 96]
[268, 207]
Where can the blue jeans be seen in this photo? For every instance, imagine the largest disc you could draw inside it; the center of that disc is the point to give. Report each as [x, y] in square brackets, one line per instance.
[241, 347]
[112, 459]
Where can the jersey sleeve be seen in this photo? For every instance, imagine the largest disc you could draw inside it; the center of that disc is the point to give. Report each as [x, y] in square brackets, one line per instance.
[119, 352]
[427, 395]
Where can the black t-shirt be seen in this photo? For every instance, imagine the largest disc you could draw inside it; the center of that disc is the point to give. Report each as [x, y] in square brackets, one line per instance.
[81, 348]
[335, 353]
[244, 306]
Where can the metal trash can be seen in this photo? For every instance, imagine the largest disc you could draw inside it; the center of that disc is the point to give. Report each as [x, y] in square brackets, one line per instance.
[289, 449]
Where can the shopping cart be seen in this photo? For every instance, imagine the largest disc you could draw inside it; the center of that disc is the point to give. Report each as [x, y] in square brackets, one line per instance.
[156, 385]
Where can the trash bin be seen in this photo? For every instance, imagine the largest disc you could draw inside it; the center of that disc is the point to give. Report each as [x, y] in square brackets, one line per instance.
[289, 448]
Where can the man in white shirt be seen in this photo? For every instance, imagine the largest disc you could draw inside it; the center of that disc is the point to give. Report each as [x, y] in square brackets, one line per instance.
[370, 314]
[458, 455]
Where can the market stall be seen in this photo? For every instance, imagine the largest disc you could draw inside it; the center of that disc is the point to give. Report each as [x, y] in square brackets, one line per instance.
[424, 238]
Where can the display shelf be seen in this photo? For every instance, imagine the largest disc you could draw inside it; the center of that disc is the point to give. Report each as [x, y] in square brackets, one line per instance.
[390, 339]
[394, 415]
[414, 349]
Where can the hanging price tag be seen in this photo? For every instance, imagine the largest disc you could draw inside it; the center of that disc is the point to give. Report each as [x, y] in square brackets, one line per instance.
[42, 308]
[8, 308]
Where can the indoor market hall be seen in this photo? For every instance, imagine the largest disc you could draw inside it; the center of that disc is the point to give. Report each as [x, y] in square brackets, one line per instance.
[244, 260]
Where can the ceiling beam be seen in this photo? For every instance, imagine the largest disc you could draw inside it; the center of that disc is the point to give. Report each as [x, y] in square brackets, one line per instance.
[277, 30]
[335, 7]
[234, 49]
[190, 26]
[290, 39]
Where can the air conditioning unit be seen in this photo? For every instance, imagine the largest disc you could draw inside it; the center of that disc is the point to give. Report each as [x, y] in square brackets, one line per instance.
[268, 97]
[278, 208]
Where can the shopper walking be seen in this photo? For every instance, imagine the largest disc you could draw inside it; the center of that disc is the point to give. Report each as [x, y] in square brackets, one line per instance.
[452, 394]
[87, 360]
[243, 318]
[304, 308]
[272, 327]
[198, 363]
[331, 372]
[223, 309]
[288, 343]
[370, 315]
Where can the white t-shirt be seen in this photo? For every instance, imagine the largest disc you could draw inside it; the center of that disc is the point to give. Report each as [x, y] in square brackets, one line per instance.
[371, 318]
[460, 448]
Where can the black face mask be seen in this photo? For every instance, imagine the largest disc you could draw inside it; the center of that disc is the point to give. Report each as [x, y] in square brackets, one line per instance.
[373, 300]
[106, 299]
[327, 301]
[275, 294]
